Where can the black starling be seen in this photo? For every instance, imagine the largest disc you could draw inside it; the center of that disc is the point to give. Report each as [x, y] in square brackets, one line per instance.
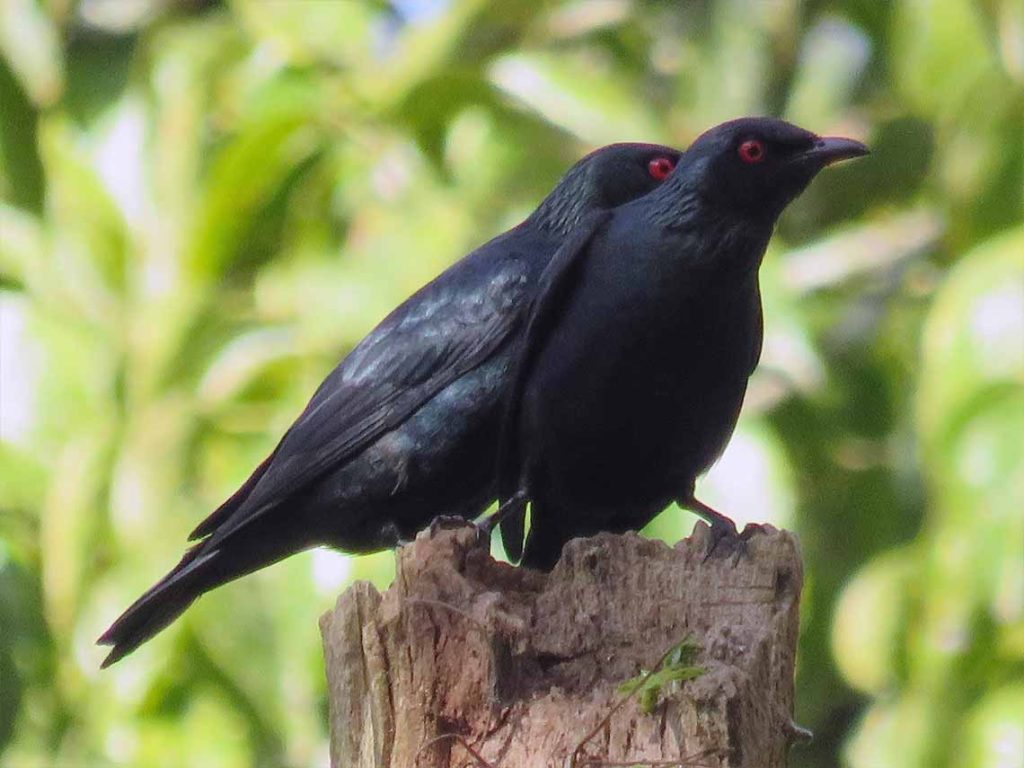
[642, 337]
[405, 429]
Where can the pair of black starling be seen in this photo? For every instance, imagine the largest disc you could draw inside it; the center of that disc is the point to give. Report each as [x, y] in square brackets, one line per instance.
[592, 361]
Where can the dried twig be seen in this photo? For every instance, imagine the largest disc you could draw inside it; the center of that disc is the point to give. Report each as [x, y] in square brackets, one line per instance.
[481, 761]
[574, 759]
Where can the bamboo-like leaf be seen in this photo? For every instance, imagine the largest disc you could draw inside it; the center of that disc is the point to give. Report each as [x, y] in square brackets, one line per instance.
[29, 41]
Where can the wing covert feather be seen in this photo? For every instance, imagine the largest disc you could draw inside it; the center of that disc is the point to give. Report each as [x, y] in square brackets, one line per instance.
[445, 330]
[556, 284]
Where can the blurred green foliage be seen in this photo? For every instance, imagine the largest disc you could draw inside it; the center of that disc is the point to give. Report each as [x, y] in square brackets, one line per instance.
[205, 204]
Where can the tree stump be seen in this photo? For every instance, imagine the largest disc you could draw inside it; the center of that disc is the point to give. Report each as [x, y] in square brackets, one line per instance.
[465, 661]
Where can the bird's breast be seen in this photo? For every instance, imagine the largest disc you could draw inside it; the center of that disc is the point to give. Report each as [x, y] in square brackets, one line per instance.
[633, 398]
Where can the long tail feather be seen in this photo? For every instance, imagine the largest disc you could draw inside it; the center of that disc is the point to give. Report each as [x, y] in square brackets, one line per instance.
[161, 604]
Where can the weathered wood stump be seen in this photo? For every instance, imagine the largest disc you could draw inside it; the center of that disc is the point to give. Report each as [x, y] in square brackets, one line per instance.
[525, 667]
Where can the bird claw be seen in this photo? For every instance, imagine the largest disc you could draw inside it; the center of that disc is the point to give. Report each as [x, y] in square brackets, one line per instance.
[489, 523]
[447, 522]
[484, 528]
[450, 522]
[724, 540]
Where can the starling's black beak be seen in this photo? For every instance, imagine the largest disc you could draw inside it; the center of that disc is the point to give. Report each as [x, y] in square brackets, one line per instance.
[833, 149]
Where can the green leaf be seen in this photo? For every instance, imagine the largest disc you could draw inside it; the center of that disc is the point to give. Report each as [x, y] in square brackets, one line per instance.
[972, 338]
[993, 729]
[30, 43]
[245, 177]
[92, 244]
[602, 112]
[22, 480]
[869, 623]
[21, 170]
[939, 41]
[676, 667]
[23, 246]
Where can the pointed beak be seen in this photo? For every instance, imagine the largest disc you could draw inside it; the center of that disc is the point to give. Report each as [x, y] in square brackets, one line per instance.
[834, 149]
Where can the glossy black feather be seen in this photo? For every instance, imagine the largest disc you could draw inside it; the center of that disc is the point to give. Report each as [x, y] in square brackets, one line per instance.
[636, 363]
[554, 284]
[406, 427]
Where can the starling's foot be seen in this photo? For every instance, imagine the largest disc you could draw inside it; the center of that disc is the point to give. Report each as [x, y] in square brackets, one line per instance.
[446, 522]
[516, 501]
[724, 539]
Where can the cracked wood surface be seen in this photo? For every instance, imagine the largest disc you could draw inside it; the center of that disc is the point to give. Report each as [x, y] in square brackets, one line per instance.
[524, 665]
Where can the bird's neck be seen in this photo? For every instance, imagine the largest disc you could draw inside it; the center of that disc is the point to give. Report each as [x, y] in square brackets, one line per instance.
[716, 240]
[733, 247]
[562, 210]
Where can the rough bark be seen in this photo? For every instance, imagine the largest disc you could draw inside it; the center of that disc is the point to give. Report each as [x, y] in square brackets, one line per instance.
[523, 667]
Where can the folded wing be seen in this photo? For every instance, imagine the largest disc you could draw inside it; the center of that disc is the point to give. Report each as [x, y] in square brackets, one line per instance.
[556, 285]
[445, 330]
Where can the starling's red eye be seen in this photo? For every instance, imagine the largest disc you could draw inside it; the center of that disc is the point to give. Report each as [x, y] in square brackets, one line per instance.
[752, 151]
[661, 168]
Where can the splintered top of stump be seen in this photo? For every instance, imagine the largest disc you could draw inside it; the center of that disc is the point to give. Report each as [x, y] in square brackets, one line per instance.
[523, 666]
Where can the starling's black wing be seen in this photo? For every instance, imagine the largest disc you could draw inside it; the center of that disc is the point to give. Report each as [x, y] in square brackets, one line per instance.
[223, 512]
[443, 331]
[556, 284]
